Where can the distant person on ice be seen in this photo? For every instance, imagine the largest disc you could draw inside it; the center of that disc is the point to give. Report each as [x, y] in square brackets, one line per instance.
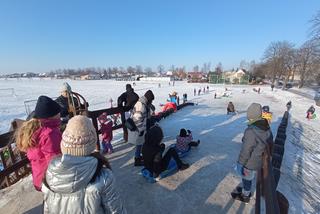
[194, 92]
[127, 100]
[140, 114]
[40, 137]
[254, 142]
[310, 112]
[230, 108]
[154, 159]
[185, 141]
[79, 180]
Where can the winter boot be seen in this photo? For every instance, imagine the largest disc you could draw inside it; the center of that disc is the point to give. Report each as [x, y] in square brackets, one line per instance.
[241, 197]
[138, 161]
[184, 166]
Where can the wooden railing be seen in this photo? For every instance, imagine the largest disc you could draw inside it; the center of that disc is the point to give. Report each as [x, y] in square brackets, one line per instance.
[15, 164]
[268, 177]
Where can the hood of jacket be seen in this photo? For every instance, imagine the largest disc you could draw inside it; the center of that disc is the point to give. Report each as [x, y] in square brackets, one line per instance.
[261, 124]
[68, 174]
[143, 100]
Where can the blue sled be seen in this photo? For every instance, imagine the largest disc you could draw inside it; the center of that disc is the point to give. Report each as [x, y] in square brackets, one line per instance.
[172, 167]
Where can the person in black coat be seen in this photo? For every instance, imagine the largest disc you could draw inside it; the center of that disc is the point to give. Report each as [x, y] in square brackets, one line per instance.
[128, 99]
[152, 152]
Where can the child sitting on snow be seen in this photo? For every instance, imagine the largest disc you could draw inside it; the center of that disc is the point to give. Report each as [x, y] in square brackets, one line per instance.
[230, 108]
[310, 112]
[106, 132]
[155, 161]
[266, 114]
[185, 141]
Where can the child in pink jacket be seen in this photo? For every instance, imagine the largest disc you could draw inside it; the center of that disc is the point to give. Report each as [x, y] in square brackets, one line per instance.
[40, 137]
[106, 132]
[185, 141]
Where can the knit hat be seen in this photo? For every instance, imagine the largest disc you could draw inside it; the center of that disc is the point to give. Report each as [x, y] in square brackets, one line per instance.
[79, 138]
[254, 112]
[154, 135]
[149, 95]
[46, 108]
[128, 87]
[65, 87]
[183, 133]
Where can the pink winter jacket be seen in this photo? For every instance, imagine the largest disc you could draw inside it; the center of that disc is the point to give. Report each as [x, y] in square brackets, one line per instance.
[183, 143]
[47, 138]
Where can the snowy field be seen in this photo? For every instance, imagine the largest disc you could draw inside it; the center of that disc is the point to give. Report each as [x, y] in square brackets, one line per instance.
[205, 187]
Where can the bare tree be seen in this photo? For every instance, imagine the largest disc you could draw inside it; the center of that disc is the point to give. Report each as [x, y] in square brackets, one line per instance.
[307, 59]
[315, 29]
[196, 68]
[219, 68]
[280, 56]
[160, 69]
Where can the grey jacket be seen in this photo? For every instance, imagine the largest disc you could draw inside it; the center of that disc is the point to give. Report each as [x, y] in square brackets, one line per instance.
[141, 113]
[256, 137]
[69, 188]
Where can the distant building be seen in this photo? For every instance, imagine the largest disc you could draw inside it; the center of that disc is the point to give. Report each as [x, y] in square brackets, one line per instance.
[90, 77]
[197, 77]
[230, 77]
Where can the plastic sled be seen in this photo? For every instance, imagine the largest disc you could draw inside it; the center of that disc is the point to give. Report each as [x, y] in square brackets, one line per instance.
[172, 167]
[183, 154]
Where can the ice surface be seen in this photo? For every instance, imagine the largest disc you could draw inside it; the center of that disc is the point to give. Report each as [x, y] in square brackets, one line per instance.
[205, 187]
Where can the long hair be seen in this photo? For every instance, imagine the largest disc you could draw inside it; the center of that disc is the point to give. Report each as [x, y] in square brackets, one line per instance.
[23, 135]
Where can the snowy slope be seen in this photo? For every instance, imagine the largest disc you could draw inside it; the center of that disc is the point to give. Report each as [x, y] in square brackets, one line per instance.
[206, 186]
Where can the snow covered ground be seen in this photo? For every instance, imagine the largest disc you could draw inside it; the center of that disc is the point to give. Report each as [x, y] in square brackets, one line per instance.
[205, 187]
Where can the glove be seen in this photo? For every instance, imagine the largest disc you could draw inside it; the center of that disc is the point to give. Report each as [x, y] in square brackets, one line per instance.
[141, 133]
[245, 171]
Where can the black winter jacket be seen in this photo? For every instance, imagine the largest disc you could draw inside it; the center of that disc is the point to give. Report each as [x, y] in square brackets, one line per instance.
[256, 137]
[128, 99]
[152, 157]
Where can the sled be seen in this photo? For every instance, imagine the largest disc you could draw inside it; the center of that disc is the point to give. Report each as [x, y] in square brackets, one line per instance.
[172, 168]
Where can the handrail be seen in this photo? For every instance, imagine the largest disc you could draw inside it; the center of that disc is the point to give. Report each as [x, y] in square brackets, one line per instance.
[269, 175]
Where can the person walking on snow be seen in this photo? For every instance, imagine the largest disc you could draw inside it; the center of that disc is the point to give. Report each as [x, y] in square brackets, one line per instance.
[40, 137]
[79, 180]
[140, 114]
[194, 92]
[255, 141]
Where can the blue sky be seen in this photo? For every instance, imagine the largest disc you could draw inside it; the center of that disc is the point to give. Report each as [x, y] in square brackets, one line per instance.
[38, 36]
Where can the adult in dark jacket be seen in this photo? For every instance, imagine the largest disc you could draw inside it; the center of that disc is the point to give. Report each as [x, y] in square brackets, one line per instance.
[152, 152]
[257, 137]
[128, 99]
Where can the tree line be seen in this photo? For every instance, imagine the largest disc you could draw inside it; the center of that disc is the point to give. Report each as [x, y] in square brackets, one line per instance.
[283, 60]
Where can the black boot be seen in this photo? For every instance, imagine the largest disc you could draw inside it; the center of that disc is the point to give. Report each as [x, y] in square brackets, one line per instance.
[183, 166]
[240, 197]
[138, 161]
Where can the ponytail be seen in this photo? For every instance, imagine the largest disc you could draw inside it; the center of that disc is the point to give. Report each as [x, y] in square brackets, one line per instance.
[23, 135]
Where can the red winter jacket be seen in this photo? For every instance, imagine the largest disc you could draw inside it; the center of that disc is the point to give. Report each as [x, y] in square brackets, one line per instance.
[47, 139]
[106, 131]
